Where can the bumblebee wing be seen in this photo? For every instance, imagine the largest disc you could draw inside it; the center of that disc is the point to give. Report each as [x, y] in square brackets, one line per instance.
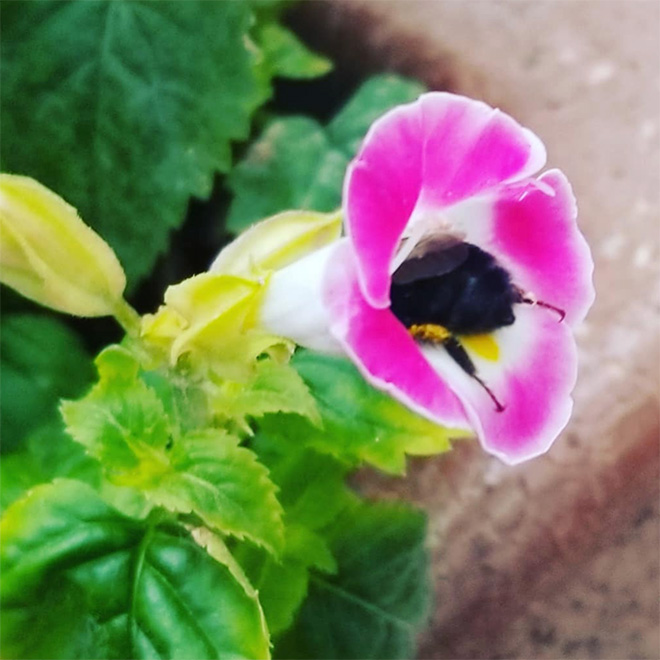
[432, 256]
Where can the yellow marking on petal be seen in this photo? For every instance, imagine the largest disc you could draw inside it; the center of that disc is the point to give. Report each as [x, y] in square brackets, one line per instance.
[483, 345]
[429, 332]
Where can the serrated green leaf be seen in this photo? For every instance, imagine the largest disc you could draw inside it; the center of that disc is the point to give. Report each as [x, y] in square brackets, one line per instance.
[360, 423]
[126, 108]
[48, 453]
[282, 582]
[121, 422]
[312, 486]
[127, 589]
[223, 484]
[374, 605]
[374, 97]
[309, 549]
[297, 163]
[42, 361]
[285, 55]
[217, 548]
[124, 424]
[276, 387]
[292, 165]
[313, 492]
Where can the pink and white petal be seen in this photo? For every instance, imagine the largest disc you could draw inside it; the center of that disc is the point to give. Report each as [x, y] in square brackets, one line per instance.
[531, 229]
[383, 350]
[469, 148]
[381, 189]
[420, 158]
[533, 377]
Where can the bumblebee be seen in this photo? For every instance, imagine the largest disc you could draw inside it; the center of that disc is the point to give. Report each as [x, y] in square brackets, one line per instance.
[447, 288]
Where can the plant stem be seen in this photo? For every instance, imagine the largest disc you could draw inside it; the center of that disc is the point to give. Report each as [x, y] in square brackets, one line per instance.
[127, 318]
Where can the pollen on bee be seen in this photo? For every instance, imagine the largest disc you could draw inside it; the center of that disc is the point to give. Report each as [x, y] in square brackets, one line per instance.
[436, 334]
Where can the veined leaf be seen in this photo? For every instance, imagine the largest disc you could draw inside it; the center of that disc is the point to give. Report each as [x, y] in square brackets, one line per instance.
[313, 492]
[42, 361]
[275, 387]
[285, 55]
[126, 108]
[48, 453]
[81, 580]
[311, 486]
[124, 424]
[292, 165]
[359, 422]
[223, 484]
[374, 605]
[282, 583]
[373, 99]
[299, 164]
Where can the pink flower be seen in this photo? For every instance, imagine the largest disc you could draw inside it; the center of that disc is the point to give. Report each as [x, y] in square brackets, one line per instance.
[461, 277]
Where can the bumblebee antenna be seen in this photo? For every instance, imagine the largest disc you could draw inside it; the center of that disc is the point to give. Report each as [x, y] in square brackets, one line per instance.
[561, 312]
[527, 299]
[498, 406]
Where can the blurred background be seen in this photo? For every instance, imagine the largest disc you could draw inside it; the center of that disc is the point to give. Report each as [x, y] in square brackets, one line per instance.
[558, 558]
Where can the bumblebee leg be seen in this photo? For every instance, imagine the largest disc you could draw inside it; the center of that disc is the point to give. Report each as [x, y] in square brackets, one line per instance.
[460, 356]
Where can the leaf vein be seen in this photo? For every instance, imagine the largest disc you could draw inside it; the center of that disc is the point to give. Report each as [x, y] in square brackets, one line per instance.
[361, 602]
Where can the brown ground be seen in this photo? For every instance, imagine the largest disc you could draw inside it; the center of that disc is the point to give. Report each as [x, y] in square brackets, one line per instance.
[558, 558]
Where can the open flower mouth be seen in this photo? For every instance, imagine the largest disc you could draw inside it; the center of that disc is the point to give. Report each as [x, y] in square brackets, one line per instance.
[447, 288]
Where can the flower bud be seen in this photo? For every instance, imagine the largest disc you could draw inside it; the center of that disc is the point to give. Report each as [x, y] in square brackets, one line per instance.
[48, 254]
[276, 242]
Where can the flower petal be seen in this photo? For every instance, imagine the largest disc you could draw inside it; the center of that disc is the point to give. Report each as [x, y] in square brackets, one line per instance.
[531, 228]
[383, 349]
[470, 148]
[381, 189]
[421, 158]
[532, 377]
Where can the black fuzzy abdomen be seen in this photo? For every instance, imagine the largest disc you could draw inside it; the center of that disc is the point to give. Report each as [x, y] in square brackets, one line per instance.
[475, 297]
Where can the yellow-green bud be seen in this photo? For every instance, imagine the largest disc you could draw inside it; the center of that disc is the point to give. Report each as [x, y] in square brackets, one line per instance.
[48, 254]
[278, 241]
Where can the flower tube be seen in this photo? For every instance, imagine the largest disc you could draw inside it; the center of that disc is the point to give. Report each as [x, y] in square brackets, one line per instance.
[460, 279]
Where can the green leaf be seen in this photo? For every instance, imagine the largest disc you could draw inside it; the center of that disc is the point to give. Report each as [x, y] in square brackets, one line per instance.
[374, 98]
[49, 452]
[276, 387]
[81, 580]
[292, 165]
[285, 55]
[312, 486]
[217, 548]
[225, 485]
[124, 424]
[42, 361]
[313, 492]
[374, 605]
[126, 108]
[360, 423]
[121, 422]
[297, 163]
